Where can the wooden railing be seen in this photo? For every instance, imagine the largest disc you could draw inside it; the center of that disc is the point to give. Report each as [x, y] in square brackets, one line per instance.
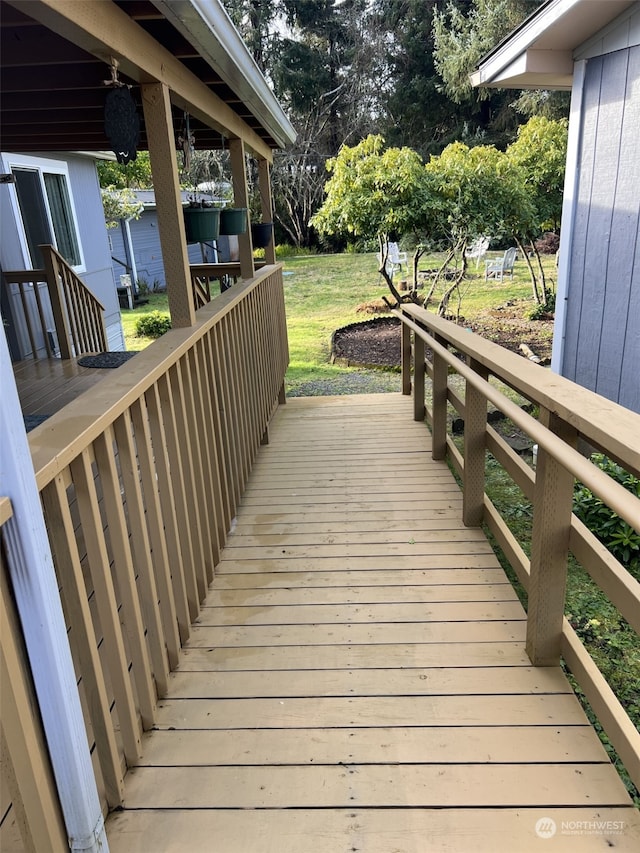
[30, 809]
[567, 413]
[78, 316]
[140, 480]
[203, 275]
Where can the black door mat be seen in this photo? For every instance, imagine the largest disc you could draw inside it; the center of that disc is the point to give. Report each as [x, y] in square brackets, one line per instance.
[32, 421]
[105, 359]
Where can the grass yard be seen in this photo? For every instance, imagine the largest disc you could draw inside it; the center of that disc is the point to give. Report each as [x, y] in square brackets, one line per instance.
[324, 292]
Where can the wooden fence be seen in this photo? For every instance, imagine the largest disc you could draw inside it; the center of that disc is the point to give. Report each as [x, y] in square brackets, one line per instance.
[567, 414]
[140, 479]
[78, 316]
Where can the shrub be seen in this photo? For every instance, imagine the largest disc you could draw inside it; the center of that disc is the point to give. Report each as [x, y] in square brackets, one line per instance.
[548, 244]
[618, 536]
[153, 325]
[544, 309]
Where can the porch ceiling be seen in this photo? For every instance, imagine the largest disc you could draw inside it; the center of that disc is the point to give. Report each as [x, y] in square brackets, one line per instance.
[52, 85]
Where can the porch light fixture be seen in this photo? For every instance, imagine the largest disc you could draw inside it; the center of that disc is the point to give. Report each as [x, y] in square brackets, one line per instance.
[121, 120]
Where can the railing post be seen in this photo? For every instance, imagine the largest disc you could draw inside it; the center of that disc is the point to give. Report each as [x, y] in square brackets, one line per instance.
[57, 302]
[439, 388]
[419, 372]
[241, 199]
[475, 426]
[406, 359]
[266, 206]
[553, 498]
[156, 103]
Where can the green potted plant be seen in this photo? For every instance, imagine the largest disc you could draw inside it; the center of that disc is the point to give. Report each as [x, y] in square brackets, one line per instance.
[201, 221]
[233, 220]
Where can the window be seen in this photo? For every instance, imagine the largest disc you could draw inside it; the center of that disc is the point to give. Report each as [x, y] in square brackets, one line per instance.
[46, 211]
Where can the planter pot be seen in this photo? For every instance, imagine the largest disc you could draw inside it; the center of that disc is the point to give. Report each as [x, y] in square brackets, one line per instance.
[233, 220]
[261, 234]
[201, 224]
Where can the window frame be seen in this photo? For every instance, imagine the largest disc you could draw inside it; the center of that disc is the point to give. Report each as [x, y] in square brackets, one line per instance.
[43, 166]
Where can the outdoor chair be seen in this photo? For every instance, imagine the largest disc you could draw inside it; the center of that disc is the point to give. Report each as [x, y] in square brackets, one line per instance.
[395, 259]
[478, 249]
[498, 267]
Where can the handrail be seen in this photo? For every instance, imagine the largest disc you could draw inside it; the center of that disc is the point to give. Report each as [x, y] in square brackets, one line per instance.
[567, 413]
[78, 316]
[140, 480]
[203, 274]
[77, 312]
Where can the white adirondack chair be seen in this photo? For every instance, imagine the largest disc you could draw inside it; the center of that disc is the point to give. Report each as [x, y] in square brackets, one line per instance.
[395, 259]
[499, 267]
[478, 249]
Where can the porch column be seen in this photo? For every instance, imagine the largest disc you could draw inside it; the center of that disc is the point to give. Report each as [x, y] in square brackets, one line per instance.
[241, 199]
[264, 182]
[164, 168]
[35, 587]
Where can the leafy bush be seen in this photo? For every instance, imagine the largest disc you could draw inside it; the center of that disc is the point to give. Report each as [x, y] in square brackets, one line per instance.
[153, 325]
[618, 536]
[542, 310]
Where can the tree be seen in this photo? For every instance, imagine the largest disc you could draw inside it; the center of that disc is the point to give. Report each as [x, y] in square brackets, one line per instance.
[463, 32]
[540, 153]
[480, 191]
[135, 175]
[119, 204]
[375, 191]
[412, 108]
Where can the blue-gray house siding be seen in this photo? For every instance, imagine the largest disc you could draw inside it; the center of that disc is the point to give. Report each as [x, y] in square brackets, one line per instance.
[95, 270]
[602, 328]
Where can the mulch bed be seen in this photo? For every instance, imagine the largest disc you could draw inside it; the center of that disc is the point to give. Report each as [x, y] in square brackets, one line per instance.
[374, 343]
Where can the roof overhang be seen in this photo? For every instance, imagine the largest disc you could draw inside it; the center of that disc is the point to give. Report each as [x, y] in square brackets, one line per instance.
[56, 54]
[539, 54]
[208, 27]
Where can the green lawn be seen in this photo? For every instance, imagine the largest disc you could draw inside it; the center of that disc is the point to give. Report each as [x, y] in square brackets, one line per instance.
[323, 293]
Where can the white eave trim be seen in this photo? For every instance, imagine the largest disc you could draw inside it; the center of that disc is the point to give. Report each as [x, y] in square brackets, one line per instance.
[208, 27]
[517, 45]
[559, 27]
[533, 69]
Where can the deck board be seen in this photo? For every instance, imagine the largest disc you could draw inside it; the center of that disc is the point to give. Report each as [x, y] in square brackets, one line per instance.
[357, 680]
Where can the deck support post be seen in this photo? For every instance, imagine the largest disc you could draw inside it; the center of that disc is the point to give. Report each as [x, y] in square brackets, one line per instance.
[266, 204]
[549, 549]
[35, 588]
[439, 404]
[405, 344]
[241, 199]
[419, 373]
[475, 426]
[164, 167]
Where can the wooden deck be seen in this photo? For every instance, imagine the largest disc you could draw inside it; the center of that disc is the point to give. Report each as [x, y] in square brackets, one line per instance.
[357, 680]
[46, 385]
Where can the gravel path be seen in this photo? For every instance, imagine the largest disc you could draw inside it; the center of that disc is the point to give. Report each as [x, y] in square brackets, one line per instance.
[352, 382]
